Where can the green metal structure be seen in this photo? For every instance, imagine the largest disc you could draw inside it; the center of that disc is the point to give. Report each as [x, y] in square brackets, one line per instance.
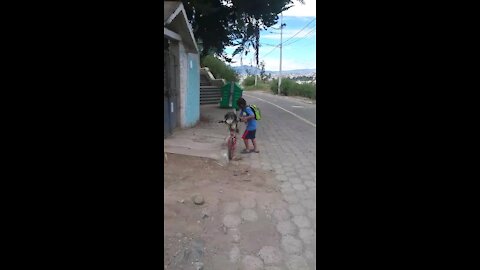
[230, 92]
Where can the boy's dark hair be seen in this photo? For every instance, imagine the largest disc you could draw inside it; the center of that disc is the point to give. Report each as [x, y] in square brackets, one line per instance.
[241, 102]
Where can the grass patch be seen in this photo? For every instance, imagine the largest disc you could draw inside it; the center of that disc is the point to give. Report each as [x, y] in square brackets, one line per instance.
[260, 86]
[291, 88]
[249, 84]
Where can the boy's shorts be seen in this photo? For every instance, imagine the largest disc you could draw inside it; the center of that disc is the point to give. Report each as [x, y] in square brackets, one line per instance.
[249, 134]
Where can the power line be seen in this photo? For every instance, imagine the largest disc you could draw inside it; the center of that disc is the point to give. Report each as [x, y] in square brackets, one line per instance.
[276, 46]
[306, 36]
[281, 43]
[300, 30]
[265, 44]
[270, 52]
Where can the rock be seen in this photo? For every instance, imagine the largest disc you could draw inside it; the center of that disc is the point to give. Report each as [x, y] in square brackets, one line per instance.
[179, 235]
[181, 201]
[198, 200]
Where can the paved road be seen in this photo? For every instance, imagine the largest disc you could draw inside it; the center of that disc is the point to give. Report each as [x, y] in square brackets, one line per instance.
[287, 145]
[305, 110]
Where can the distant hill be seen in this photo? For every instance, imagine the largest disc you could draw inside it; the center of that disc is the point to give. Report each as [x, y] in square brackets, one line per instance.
[242, 70]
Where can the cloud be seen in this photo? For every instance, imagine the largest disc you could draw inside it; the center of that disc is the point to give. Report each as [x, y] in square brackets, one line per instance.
[299, 10]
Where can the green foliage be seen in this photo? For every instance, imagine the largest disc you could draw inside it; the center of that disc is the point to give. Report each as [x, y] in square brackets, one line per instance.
[250, 80]
[218, 23]
[249, 83]
[219, 69]
[260, 86]
[263, 76]
[291, 88]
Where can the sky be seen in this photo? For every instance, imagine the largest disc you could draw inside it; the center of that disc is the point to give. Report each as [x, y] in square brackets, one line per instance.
[299, 49]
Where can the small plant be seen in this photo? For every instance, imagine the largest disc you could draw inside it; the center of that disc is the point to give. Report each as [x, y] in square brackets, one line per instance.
[248, 81]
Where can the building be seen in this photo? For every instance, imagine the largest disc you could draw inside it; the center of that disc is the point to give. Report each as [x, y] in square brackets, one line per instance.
[181, 68]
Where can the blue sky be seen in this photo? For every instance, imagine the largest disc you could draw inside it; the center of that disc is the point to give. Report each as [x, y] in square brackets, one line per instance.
[299, 52]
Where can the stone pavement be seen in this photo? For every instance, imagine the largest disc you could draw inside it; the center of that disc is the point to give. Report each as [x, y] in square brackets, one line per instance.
[288, 148]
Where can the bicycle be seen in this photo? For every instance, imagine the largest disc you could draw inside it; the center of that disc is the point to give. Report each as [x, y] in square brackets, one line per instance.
[232, 137]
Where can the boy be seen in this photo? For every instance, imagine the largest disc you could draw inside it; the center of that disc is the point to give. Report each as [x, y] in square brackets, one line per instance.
[248, 116]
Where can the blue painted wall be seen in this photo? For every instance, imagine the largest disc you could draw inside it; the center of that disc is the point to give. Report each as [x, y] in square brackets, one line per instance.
[192, 108]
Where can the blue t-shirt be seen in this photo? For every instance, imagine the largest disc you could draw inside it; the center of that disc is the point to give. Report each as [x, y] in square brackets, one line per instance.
[252, 123]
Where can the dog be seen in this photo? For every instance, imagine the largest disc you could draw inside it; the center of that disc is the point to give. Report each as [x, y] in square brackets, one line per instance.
[231, 120]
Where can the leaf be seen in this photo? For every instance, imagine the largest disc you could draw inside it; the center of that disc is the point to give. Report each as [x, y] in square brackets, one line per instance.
[237, 50]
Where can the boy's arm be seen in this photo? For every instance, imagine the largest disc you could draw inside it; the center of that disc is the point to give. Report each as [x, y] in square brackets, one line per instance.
[251, 116]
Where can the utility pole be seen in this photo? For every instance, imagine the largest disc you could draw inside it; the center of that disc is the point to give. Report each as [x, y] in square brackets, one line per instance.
[280, 74]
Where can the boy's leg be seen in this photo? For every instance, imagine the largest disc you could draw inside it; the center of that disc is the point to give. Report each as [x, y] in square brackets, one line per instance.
[246, 143]
[254, 140]
[245, 140]
[255, 147]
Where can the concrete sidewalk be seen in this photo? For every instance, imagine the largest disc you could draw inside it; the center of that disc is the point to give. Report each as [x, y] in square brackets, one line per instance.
[206, 139]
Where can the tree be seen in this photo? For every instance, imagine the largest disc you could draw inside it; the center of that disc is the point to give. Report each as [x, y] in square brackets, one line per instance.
[218, 68]
[220, 23]
[263, 77]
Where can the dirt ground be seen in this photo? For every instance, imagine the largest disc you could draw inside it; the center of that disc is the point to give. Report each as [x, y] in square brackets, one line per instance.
[195, 236]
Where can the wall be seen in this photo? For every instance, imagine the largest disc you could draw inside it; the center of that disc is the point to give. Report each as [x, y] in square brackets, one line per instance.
[182, 63]
[174, 99]
[192, 102]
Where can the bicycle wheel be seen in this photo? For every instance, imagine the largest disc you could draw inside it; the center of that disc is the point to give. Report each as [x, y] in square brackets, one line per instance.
[230, 148]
